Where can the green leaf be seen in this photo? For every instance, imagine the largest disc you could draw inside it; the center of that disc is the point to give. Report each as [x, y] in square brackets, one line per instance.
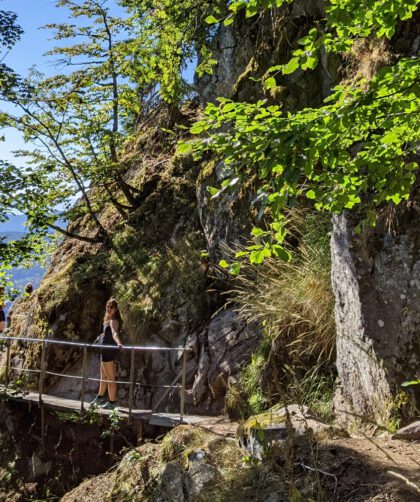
[229, 20]
[211, 20]
[281, 253]
[290, 67]
[411, 382]
[212, 191]
[310, 63]
[235, 268]
[270, 83]
[257, 232]
[183, 148]
[256, 257]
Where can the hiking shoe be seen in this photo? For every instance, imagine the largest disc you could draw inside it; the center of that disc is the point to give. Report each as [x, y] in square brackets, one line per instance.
[98, 401]
[109, 405]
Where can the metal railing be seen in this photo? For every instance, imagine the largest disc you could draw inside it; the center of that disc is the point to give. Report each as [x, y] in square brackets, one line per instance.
[43, 371]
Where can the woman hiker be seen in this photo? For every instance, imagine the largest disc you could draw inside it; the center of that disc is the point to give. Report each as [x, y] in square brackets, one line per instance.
[110, 336]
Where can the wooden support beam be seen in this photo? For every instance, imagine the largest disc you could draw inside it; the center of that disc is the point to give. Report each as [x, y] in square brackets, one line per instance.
[131, 389]
[42, 427]
[41, 375]
[184, 373]
[84, 370]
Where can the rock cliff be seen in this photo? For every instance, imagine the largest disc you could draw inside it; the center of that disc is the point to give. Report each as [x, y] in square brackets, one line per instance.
[376, 281]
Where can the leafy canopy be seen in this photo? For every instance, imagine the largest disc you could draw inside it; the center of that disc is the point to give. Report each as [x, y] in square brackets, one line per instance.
[76, 123]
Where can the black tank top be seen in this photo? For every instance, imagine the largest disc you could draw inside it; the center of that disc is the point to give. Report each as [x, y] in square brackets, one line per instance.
[108, 338]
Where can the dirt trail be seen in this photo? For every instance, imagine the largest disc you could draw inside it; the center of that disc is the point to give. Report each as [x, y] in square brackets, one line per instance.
[370, 469]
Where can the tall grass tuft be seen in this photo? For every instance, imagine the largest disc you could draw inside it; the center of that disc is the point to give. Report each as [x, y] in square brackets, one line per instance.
[294, 304]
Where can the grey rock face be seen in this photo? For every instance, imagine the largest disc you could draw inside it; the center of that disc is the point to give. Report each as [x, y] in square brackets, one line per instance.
[376, 283]
[226, 219]
[171, 489]
[228, 343]
[240, 54]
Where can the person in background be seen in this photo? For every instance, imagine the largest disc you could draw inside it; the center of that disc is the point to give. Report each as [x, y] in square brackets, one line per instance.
[2, 314]
[2, 318]
[29, 289]
[110, 336]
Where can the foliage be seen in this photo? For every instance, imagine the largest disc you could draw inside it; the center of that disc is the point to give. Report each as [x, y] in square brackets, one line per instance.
[411, 382]
[168, 36]
[75, 123]
[114, 424]
[294, 305]
[358, 149]
[316, 391]
[247, 397]
[10, 33]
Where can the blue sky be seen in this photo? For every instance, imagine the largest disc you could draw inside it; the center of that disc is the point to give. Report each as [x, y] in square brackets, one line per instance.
[32, 14]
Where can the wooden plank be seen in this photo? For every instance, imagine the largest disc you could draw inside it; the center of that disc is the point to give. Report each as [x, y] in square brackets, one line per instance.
[62, 404]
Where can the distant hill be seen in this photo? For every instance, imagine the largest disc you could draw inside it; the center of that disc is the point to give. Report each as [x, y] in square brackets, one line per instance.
[14, 229]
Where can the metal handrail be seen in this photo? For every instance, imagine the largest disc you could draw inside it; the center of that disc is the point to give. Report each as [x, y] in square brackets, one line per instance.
[92, 345]
[132, 348]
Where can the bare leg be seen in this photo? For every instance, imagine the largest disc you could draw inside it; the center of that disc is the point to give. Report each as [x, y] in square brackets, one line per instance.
[103, 385]
[109, 368]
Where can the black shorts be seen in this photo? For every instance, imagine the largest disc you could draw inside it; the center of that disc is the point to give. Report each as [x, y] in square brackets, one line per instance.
[108, 355]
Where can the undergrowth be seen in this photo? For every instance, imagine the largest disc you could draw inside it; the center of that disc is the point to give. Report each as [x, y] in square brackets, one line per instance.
[294, 305]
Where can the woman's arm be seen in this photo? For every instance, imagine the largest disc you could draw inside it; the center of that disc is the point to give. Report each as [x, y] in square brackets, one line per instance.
[114, 325]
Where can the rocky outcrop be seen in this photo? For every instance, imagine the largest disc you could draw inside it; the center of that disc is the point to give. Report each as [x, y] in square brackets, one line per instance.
[190, 464]
[249, 47]
[227, 219]
[278, 425]
[376, 282]
[225, 346]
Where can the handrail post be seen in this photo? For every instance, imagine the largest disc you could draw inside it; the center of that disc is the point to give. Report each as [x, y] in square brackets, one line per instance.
[42, 373]
[84, 368]
[184, 372]
[6, 375]
[131, 389]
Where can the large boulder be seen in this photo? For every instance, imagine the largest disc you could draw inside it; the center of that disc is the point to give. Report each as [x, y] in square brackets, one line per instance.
[225, 346]
[376, 282]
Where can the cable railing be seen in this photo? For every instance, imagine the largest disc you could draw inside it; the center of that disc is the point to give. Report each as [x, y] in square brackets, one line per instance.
[43, 371]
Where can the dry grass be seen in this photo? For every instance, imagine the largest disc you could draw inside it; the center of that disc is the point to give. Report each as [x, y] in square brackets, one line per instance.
[294, 300]
[366, 58]
[294, 304]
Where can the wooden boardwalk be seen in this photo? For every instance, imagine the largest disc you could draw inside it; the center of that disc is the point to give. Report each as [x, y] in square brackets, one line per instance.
[218, 424]
[70, 405]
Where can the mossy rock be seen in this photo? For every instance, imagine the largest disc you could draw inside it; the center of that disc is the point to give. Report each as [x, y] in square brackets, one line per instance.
[192, 464]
